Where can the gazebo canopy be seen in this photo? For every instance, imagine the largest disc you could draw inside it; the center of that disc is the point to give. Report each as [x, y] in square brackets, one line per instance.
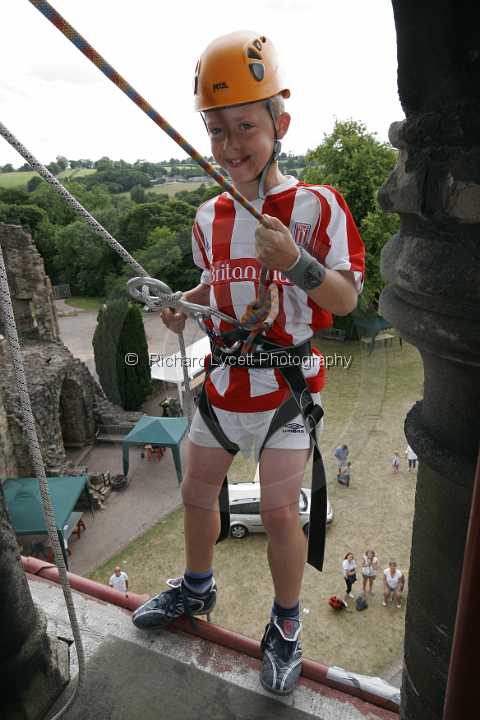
[24, 502]
[162, 431]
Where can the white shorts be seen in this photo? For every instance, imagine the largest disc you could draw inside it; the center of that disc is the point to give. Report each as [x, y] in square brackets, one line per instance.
[248, 430]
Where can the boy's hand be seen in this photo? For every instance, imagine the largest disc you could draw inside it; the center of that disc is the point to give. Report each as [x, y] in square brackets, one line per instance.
[174, 320]
[276, 248]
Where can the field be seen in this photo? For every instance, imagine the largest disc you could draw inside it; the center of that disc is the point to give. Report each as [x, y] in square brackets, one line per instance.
[20, 179]
[172, 188]
[365, 407]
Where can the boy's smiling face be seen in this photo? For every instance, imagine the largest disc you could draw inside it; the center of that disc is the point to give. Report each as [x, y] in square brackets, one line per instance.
[242, 139]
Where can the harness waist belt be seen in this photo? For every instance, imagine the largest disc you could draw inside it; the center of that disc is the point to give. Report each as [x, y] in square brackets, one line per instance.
[266, 356]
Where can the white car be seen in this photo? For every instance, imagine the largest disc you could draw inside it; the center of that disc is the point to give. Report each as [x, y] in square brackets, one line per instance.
[245, 509]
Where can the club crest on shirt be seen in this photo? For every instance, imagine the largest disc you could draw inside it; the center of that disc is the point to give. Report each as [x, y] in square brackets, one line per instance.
[300, 233]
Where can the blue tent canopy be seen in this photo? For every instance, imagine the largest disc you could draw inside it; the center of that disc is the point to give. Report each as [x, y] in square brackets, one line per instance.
[23, 500]
[162, 431]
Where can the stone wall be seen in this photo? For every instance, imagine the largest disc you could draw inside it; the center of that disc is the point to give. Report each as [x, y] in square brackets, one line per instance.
[8, 466]
[30, 288]
[432, 269]
[67, 403]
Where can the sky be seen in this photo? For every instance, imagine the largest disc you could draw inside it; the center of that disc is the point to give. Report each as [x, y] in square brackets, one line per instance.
[338, 58]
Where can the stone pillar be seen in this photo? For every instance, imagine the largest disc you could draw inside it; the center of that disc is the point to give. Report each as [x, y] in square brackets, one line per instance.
[34, 666]
[432, 270]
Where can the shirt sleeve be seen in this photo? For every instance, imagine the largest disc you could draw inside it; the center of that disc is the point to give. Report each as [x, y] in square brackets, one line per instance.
[336, 241]
[199, 252]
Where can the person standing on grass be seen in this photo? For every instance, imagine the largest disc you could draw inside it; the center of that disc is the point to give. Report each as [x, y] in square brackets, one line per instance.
[395, 463]
[341, 454]
[315, 259]
[393, 584]
[349, 568]
[119, 580]
[369, 570]
[412, 458]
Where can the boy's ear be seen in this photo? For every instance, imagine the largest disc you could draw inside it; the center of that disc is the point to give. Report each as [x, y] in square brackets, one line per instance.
[283, 123]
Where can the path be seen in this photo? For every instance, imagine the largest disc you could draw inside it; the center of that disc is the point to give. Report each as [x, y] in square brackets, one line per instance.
[153, 492]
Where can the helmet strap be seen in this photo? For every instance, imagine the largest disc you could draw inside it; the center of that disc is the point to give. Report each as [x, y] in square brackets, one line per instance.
[277, 149]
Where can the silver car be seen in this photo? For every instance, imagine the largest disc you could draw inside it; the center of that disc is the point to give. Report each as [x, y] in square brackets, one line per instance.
[245, 509]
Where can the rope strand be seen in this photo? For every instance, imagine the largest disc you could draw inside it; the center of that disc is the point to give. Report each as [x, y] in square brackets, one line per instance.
[6, 312]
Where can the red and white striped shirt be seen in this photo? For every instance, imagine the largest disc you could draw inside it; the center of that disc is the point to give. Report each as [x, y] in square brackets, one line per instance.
[223, 243]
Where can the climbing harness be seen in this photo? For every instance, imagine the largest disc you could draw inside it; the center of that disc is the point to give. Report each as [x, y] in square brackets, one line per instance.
[288, 361]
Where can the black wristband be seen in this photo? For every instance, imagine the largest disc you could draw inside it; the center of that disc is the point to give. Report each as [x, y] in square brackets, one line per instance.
[306, 272]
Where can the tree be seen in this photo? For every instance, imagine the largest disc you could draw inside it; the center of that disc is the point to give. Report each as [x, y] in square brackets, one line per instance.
[62, 162]
[137, 194]
[162, 258]
[121, 354]
[30, 217]
[354, 162]
[82, 259]
[34, 182]
[57, 210]
[54, 168]
[136, 226]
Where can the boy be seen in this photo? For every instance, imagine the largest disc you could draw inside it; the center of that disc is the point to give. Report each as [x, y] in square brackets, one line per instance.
[315, 258]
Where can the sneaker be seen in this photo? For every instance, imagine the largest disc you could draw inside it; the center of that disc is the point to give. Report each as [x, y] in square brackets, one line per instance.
[384, 603]
[282, 655]
[172, 604]
[351, 595]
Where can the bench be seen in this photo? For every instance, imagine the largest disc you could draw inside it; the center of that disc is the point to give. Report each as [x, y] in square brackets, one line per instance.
[385, 337]
[333, 334]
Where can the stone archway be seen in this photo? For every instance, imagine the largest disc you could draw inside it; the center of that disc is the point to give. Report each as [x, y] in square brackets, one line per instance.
[76, 417]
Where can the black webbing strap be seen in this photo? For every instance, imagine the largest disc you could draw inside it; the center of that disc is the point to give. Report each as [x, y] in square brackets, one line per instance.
[312, 414]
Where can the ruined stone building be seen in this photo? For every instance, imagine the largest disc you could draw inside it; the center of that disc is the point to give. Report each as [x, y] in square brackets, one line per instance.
[68, 404]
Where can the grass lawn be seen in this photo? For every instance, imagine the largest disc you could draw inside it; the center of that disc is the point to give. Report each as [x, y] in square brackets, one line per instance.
[85, 303]
[172, 188]
[20, 179]
[365, 408]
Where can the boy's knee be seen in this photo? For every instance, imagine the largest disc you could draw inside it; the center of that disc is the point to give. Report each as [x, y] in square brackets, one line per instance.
[199, 494]
[281, 520]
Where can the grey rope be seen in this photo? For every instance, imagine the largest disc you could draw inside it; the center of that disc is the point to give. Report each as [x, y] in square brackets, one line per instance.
[6, 312]
[103, 233]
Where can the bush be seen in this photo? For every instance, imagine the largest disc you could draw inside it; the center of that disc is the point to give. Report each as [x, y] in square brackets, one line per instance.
[120, 334]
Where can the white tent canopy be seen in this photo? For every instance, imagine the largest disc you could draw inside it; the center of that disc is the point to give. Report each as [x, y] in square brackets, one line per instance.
[169, 367]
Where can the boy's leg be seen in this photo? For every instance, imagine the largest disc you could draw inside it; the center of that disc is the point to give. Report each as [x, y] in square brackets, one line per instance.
[281, 473]
[206, 469]
[196, 593]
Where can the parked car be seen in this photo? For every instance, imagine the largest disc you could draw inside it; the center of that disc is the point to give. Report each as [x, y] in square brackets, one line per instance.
[245, 509]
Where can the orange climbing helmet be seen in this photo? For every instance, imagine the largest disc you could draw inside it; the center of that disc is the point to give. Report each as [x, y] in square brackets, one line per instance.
[236, 69]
